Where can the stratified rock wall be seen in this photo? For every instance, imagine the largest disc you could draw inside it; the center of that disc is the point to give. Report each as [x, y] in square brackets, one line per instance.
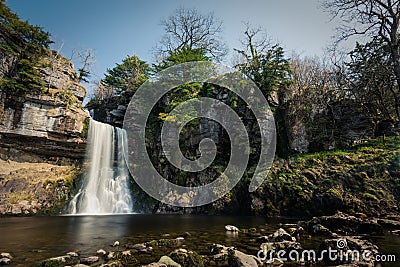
[49, 122]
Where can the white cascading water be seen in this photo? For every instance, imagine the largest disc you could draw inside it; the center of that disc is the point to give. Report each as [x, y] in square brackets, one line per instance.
[105, 188]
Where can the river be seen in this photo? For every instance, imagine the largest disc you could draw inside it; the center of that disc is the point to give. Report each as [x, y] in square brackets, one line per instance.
[31, 239]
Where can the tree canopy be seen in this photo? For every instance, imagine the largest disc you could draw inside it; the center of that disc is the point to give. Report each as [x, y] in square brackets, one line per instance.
[24, 45]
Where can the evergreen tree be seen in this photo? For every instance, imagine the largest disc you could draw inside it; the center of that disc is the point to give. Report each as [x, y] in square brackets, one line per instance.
[25, 45]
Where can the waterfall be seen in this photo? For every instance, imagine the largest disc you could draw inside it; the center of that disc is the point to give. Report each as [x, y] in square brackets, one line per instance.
[105, 186]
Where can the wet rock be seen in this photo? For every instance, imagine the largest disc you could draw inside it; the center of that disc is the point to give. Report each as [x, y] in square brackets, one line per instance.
[60, 261]
[274, 262]
[392, 224]
[167, 261]
[5, 261]
[165, 242]
[231, 228]
[319, 229]
[110, 255]
[156, 264]
[229, 256]
[346, 224]
[90, 260]
[237, 258]
[143, 248]
[125, 257]
[101, 252]
[346, 250]
[6, 255]
[138, 246]
[180, 240]
[112, 264]
[73, 254]
[116, 244]
[219, 255]
[396, 232]
[187, 258]
[283, 245]
[250, 230]
[281, 235]
[186, 234]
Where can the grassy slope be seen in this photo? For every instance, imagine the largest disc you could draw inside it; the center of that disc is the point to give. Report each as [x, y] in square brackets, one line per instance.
[35, 187]
[362, 180]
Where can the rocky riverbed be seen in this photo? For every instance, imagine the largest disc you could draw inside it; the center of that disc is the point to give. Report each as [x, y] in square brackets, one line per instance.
[334, 239]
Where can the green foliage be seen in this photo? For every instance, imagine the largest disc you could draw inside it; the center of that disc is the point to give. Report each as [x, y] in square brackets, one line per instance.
[372, 81]
[183, 55]
[27, 44]
[83, 74]
[183, 92]
[127, 76]
[269, 69]
[85, 129]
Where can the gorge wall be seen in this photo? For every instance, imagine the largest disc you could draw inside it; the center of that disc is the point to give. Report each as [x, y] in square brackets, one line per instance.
[42, 140]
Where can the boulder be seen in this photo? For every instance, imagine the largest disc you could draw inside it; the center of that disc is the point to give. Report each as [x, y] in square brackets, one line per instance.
[344, 224]
[229, 256]
[5, 261]
[231, 228]
[60, 261]
[346, 250]
[237, 258]
[280, 235]
[124, 257]
[6, 255]
[391, 224]
[187, 257]
[167, 261]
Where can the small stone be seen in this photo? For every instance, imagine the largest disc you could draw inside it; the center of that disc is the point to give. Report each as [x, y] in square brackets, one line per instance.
[116, 244]
[101, 252]
[180, 239]
[281, 235]
[73, 254]
[126, 253]
[139, 247]
[6, 255]
[5, 261]
[187, 234]
[90, 260]
[275, 262]
[231, 228]
[396, 232]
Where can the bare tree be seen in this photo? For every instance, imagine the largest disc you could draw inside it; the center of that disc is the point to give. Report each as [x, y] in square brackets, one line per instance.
[313, 85]
[101, 92]
[86, 59]
[189, 29]
[374, 17]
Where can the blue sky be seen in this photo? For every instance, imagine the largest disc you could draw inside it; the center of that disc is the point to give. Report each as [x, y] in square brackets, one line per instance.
[115, 29]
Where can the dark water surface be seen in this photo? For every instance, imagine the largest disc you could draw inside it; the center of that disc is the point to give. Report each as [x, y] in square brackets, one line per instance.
[31, 239]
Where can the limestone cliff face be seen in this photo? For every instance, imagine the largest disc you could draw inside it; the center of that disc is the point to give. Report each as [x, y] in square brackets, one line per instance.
[48, 123]
[41, 140]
